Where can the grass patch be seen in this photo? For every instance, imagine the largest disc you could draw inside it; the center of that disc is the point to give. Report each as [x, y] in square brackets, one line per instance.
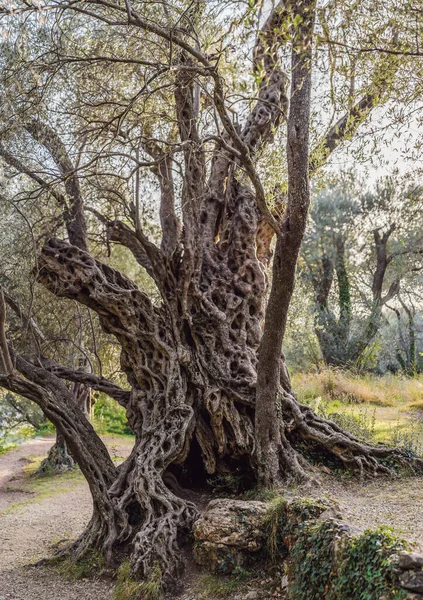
[211, 587]
[129, 589]
[347, 387]
[275, 518]
[43, 486]
[375, 409]
[91, 565]
[6, 447]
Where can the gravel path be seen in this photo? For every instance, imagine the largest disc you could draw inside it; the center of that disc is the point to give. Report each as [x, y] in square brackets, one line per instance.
[31, 522]
[395, 503]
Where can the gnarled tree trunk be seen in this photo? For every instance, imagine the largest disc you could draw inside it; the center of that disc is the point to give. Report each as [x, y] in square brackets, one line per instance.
[58, 459]
[210, 394]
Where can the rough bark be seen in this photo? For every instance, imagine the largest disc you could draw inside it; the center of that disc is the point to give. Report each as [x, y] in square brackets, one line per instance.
[58, 459]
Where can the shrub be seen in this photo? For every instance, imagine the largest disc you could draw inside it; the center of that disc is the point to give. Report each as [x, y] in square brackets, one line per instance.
[109, 417]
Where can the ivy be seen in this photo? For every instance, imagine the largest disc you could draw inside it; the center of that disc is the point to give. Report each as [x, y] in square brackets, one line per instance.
[312, 561]
[368, 559]
[365, 569]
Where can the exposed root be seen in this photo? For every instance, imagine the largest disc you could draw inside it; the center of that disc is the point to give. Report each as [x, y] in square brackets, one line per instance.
[369, 460]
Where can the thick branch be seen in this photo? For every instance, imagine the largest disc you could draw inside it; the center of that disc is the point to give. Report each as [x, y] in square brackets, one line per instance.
[194, 176]
[267, 115]
[146, 253]
[171, 227]
[101, 384]
[5, 360]
[74, 216]
[272, 104]
[71, 273]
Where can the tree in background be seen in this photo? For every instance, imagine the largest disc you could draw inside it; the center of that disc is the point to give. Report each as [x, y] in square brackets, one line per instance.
[172, 119]
[360, 248]
[409, 332]
[16, 411]
[62, 333]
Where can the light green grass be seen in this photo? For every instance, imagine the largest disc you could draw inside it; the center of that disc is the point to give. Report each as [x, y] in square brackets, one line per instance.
[38, 488]
[384, 409]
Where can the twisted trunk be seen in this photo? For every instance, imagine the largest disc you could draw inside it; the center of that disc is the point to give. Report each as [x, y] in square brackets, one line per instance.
[193, 374]
[58, 459]
[202, 396]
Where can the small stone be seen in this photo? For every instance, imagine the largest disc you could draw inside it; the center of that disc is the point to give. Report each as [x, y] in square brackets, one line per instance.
[284, 582]
[412, 580]
[410, 560]
[414, 597]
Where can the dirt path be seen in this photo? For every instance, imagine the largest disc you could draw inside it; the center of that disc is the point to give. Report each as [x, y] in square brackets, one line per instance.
[11, 462]
[34, 515]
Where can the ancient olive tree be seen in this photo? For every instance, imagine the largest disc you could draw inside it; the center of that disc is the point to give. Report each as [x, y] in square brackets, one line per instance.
[360, 248]
[146, 89]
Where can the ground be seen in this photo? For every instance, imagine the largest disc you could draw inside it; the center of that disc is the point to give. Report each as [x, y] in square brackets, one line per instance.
[37, 514]
[386, 409]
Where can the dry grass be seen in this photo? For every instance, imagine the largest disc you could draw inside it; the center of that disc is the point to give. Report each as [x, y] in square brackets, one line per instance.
[333, 384]
[385, 408]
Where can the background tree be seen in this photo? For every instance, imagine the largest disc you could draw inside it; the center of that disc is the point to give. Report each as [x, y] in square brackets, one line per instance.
[359, 248]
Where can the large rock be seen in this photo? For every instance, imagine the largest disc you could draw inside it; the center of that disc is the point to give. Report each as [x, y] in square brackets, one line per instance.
[410, 560]
[412, 580]
[228, 533]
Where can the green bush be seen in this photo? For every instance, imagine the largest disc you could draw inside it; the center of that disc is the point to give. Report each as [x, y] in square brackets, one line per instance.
[109, 417]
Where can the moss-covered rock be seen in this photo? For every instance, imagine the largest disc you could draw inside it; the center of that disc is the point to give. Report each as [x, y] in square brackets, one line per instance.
[229, 533]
